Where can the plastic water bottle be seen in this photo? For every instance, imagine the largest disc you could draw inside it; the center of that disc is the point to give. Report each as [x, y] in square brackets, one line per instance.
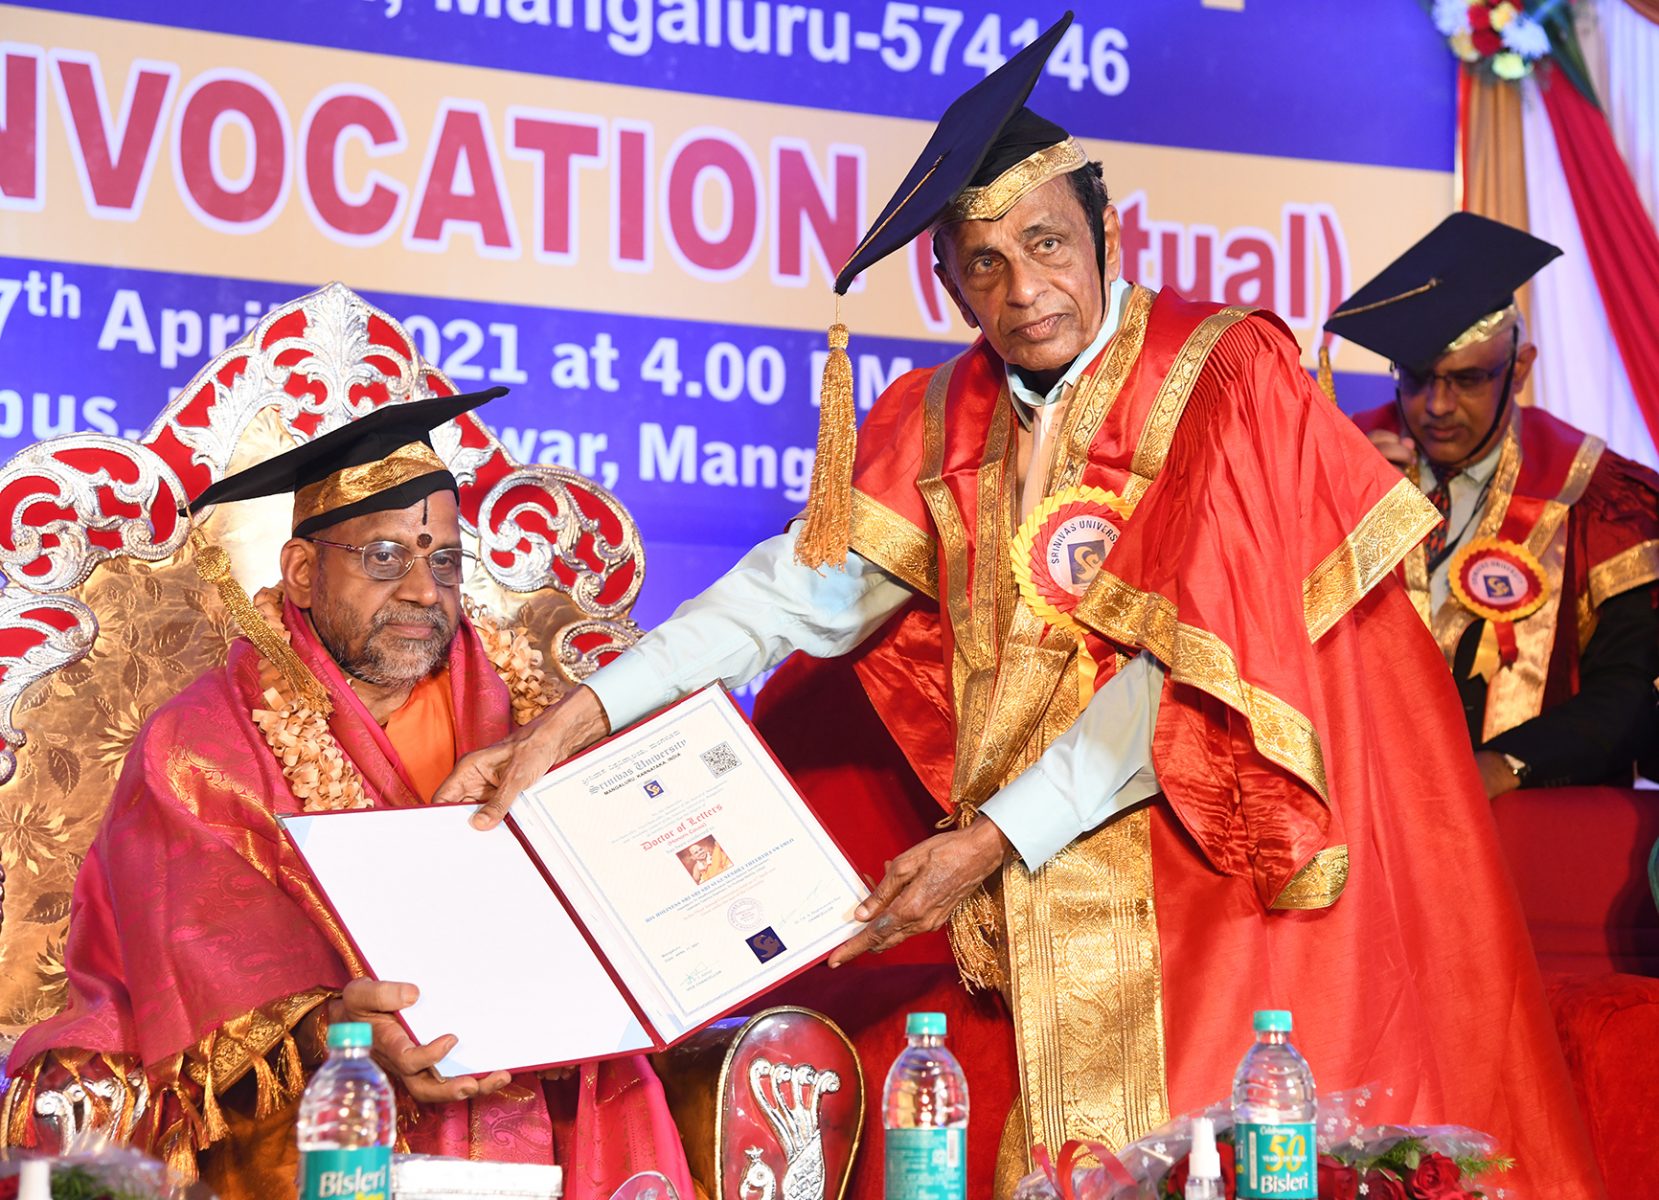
[1203, 1163]
[1273, 1115]
[347, 1122]
[925, 1113]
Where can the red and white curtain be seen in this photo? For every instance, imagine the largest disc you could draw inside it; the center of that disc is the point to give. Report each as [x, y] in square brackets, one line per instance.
[1590, 178]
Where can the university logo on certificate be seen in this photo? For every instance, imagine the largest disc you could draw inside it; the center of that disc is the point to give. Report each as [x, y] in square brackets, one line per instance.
[655, 883]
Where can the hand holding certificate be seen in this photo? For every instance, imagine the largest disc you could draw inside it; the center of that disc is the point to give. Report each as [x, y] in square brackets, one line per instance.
[657, 882]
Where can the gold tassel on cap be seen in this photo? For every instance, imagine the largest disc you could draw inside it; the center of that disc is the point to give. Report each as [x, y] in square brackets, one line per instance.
[1327, 380]
[213, 565]
[829, 509]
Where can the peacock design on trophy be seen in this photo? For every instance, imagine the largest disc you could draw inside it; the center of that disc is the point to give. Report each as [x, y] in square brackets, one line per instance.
[791, 1097]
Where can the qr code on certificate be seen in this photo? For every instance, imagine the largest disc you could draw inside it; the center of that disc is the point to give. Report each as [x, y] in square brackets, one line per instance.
[720, 759]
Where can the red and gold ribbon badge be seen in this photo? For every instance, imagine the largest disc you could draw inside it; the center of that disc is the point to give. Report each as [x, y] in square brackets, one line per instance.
[1502, 582]
[1498, 580]
[1060, 548]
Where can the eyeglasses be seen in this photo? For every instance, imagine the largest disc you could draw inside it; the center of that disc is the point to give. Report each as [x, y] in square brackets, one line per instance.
[387, 561]
[1470, 381]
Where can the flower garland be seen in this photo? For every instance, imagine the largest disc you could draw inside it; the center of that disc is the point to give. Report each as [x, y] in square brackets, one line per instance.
[312, 760]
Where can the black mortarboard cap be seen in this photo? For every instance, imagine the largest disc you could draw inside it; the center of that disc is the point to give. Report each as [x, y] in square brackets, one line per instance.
[1466, 268]
[967, 143]
[375, 438]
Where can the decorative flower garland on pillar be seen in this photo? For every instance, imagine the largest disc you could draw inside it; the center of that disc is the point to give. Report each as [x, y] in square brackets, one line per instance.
[312, 760]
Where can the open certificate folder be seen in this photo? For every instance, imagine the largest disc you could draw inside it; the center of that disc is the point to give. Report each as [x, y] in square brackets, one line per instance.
[657, 882]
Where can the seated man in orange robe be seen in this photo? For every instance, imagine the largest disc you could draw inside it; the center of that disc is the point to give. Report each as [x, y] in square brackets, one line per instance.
[203, 966]
[1541, 579]
[1202, 779]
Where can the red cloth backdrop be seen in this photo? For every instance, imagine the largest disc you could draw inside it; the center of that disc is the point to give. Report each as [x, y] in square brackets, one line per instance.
[1619, 237]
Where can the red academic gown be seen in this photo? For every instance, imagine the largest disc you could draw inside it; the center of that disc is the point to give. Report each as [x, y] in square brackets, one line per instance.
[1305, 709]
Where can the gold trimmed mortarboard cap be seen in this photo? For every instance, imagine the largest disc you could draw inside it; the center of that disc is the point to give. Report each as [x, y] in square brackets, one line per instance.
[987, 153]
[377, 463]
[1452, 289]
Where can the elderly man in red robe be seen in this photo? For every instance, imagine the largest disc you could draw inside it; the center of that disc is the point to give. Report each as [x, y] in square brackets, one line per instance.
[1540, 580]
[1208, 778]
[203, 965]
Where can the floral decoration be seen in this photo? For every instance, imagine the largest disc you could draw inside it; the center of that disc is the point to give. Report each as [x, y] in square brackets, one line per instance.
[1357, 1159]
[1508, 38]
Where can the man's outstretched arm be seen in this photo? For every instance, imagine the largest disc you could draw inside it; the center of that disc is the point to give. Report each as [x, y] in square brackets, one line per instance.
[748, 620]
[1096, 769]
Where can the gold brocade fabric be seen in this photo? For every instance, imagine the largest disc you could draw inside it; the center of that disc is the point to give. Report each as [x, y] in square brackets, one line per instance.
[994, 199]
[1367, 554]
[895, 545]
[352, 484]
[1632, 568]
[1086, 988]
[178, 1108]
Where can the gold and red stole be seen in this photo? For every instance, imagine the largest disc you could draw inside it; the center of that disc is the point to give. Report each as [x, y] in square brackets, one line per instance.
[1262, 517]
[1548, 475]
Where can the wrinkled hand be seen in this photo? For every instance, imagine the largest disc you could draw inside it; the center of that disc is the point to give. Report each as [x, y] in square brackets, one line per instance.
[494, 776]
[923, 886]
[405, 1060]
[1401, 451]
[1496, 773]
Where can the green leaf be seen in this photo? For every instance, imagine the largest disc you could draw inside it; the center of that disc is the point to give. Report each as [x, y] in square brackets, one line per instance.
[1567, 54]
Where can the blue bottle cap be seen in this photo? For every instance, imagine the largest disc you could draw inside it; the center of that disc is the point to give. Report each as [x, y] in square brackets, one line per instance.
[350, 1035]
[1272, 1020]
[931, 1024]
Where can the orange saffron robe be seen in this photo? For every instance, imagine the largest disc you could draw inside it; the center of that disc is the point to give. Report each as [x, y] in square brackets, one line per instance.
[422, 731]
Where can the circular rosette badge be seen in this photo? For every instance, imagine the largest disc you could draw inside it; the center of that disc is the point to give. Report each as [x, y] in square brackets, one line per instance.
[1498, 580]
[1061, 547]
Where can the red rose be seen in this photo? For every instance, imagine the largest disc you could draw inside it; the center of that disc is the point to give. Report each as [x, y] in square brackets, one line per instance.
[1436, 1178]
[1337, 1180]
[1176, 1180]
[8, 1188]
[1380, 1185]
[1480, 17]
[1486, 41]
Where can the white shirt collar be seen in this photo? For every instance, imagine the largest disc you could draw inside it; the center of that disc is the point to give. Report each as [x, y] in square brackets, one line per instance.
[1025, 399]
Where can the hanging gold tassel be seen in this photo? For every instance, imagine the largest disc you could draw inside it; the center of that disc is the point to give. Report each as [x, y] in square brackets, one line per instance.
[213, 1119]
[829, 509]
[191, 1116]
[1327, 380]
[213, 565]
[178, 1153]
[971, 931]
[269, 1094]
[293, 1067]
[974, 924]
[128, 1096]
